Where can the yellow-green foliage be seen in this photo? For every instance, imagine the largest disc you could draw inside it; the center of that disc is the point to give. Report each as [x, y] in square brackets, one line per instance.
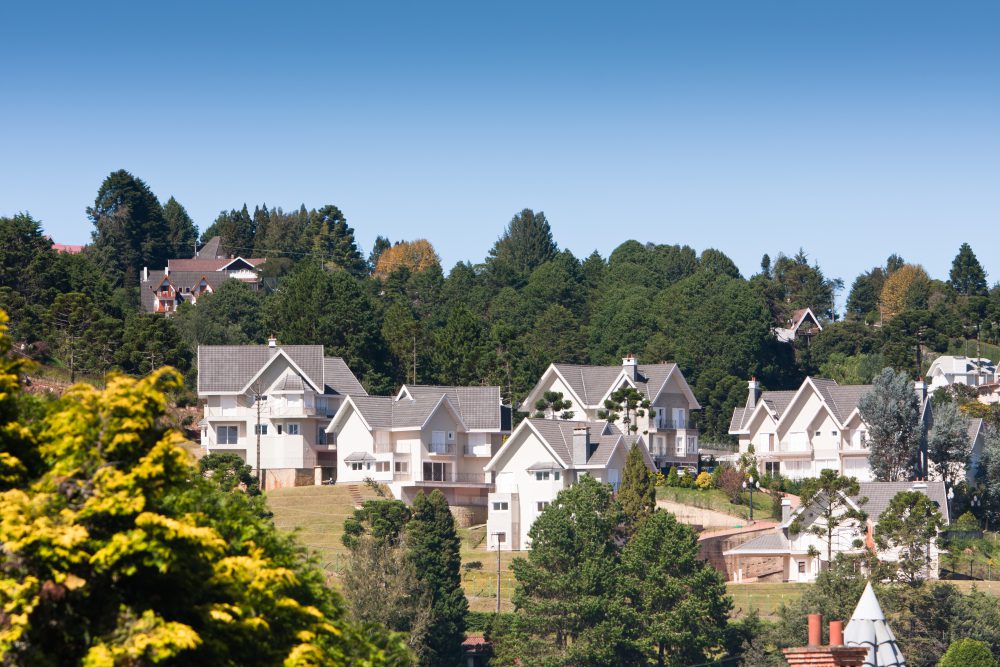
[703, 481]
[119, 553]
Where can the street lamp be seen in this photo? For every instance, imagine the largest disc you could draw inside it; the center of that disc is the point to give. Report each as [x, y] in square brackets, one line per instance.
[976, 504]
[501, 538]
[951, 496]
[750, 484]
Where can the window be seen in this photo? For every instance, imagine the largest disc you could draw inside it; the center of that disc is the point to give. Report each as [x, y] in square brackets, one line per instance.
[279, 429]
[320, 435]
[227, 435]
[402, 466]
[437, 438]
[692, 444]
[293, 429]
[451, 436]
[542, 504]
[437, 472]
[260, 429]
[802, 567]
[833, 433]
[357, 465]
[772, 468]
[542, 476]
[680, 418]
[381, 466]
[555, 475]
[819, 433]
[679, 446]
[500, 506]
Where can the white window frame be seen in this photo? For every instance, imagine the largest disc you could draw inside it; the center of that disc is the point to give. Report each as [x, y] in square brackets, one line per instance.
[381, 466]
[402, 467]
[292, 428]
[260, 428]
[542, 475]
[228, 429]
[500, 506]
[680, 417]
[679, 445]
[542, 504]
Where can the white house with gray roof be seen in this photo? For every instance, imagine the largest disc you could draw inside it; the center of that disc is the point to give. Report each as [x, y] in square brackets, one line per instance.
[817, 426]
[539, 459]
[667, 429]
[287, 394]
[803, 555]
[423, 438]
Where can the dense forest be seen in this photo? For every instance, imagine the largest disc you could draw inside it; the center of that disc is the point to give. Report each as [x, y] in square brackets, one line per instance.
[396, 315]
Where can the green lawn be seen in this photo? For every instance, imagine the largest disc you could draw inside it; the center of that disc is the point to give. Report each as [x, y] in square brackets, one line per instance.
[717, 500]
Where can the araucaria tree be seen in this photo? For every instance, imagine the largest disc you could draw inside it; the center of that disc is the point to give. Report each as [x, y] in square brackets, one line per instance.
[830, 497]
[637, 493]
[892, 412]
[948, 444]
[551, 404]
[627, 404]
[967, 276]
[433, 549]
[910, 524]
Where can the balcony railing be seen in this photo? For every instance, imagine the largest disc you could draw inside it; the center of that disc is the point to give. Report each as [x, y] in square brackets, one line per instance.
[794, 447]
[441, 448]
[458, 477]
[669, 424]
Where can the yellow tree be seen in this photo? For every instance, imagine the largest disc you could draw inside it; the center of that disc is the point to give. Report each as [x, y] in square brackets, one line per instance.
[119, 553]
[902, 289]
[416, 256]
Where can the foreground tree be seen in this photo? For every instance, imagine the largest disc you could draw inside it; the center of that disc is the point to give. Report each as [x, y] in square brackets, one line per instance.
[679, 599]
[830, 496]
[910, 524]
[892, 412]
[119, 553]
[433, 550]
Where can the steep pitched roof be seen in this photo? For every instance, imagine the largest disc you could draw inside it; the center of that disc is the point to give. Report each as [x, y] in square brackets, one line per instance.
[481, 407]
[228, 368]
[591, 384]
[206, 264]
[880, 494]
[211, 248]
[180, 280]
[841, 399]
[477, 407]
[604, 439]
[869, 628]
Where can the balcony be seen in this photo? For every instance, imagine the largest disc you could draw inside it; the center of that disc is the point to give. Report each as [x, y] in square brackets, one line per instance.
[470, 478]
[795, 448]
[445, 448]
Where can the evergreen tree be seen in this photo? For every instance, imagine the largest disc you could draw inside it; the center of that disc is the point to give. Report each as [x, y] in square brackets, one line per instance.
[551, 404]
[149, 342]
[967, 276]
[29, 275]
[968, 653]
[84, 341]
[908, 525]
[130, 230]
[827, 496]
[458, 348]
[181, 232]
[679, 600]
[433, 549]
[892, 412]
[626, 404]
[236, 229]
[637, 492]
[380, 246]
[333, 240]
[988, 476]
[948, 445]
[525, 245]
[261, 231]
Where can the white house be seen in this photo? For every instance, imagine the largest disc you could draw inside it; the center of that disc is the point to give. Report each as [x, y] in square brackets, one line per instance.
[803, 322]
[947, 370]
[539, 459]
[286, 394]
[799, 433]
[423, 438]
[666, 428]
[851, 537]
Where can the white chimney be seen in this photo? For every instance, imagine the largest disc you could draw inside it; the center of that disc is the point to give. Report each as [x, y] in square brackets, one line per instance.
[581, 445]
[631, 365]
[753, 395]
[166, 271]
[786, 509]
[272, 342]
[921, 388]
[145, 274]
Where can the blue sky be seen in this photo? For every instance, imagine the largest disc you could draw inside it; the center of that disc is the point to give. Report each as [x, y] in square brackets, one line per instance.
[852, 129]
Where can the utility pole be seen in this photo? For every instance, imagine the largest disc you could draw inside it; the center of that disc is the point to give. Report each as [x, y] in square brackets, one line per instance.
[498, 537]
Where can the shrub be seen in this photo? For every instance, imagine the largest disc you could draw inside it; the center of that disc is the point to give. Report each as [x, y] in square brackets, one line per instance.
[968, 653]
[967, 522]
[672, 479]
[704, 481]
[660, 479]
[685, 479]
[731, 481]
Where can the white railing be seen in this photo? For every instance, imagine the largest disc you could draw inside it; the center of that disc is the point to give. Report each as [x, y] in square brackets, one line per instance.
[794, 446]
[441, 448]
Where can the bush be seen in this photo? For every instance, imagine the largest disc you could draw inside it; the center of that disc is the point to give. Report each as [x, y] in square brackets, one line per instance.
[968, 653]
[660, 479]
[731, 481]
[685, 480]
[672, 479]
[967, 523]
[704, 481]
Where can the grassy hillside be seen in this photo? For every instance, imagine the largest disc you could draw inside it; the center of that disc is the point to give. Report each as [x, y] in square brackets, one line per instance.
[718, 501]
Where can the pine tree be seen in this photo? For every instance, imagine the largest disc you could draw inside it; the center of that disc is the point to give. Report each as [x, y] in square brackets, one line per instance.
[130, 230]
[827, 496]
[333, 240]
[525, 245]
[626, 404]
[637, 492]
[892, 412]
[433, 546]
[181, 232]
[380, 246]
[551, 404]
[967, 276]
[908, 526]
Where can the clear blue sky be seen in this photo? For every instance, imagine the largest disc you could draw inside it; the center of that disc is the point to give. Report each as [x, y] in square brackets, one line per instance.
[850, 128]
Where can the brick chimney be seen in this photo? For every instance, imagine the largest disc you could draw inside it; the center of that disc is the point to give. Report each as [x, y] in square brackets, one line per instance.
[834, 655]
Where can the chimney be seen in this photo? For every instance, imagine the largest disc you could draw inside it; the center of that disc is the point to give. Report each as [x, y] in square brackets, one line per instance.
[166, 271]
[754, 393]
[581, 445]
[786, 509]
[921, 388]
[631, 365]
[145, 274]
[272, 342]
[834, 655]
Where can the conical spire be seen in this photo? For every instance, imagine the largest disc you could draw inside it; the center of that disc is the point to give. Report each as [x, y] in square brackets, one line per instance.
[868, 627]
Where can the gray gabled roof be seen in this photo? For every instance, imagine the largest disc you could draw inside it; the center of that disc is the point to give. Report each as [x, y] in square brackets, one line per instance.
[766, 543]
[478, 407]
[228, 368]
[880, 494]
[359, 456]
[604, 439]
[841, 399]
[592, 383]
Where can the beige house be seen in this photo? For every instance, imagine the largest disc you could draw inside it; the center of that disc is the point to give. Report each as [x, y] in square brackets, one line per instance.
[802, 556]
[286, 394]
[541, 458]
[423, 438]
[666, 428]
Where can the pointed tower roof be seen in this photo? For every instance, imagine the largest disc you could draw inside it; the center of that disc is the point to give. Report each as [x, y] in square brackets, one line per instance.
[868, 627]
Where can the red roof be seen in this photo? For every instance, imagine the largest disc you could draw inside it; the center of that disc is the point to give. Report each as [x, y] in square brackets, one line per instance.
[68, 248]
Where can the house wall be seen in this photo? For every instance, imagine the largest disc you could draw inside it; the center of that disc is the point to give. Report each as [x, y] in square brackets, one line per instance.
[578, 410]
[353, 436]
